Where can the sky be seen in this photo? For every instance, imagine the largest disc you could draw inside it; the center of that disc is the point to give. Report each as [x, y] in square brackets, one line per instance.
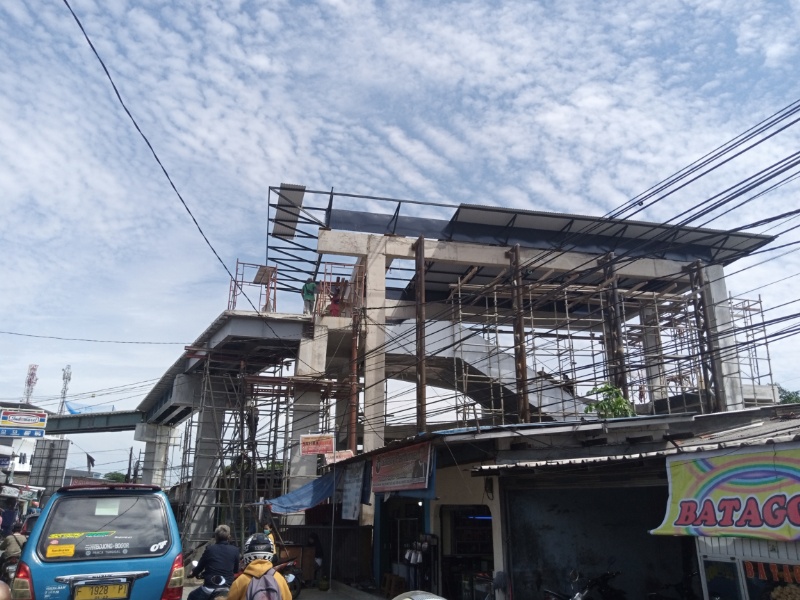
[569, 106]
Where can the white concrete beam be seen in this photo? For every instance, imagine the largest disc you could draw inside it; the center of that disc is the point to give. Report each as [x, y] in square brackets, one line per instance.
[348, 243]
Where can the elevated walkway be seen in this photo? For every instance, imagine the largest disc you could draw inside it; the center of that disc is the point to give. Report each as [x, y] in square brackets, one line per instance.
[458, 360]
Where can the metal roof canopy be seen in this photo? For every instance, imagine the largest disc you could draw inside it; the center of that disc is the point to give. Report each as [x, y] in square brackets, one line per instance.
[560, 231]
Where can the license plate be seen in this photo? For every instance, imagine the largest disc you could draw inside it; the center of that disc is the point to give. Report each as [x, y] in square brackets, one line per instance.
[109, 591]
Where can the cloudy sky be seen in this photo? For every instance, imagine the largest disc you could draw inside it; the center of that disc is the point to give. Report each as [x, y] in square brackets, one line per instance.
[548, 105]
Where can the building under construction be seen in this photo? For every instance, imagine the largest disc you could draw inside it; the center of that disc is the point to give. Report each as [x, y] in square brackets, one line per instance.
[429, 316]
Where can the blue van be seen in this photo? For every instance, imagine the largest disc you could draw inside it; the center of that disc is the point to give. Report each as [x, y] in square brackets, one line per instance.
[108, 542]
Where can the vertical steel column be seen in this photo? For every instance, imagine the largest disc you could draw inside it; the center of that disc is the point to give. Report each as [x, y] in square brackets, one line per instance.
[520, 358]
[710, 402]
[615, 348]
[422, 376]
[352, 433]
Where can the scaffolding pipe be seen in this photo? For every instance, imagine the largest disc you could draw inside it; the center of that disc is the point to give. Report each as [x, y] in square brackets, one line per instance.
[352, 433]
[615, 349]
[422, 378]
[519, 338]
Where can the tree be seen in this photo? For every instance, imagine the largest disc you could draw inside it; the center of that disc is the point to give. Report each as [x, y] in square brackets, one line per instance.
[787, 397]
[115, 476]
[612, 403]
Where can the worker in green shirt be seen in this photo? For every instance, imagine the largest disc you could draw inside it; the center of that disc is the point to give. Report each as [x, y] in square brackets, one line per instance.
[309, 292]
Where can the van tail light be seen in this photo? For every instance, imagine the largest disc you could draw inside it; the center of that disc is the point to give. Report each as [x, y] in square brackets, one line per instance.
[174, 589]
[22, 586]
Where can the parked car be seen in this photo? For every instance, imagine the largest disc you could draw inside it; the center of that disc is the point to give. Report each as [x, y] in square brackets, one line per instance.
[115, 541]
[27, 525]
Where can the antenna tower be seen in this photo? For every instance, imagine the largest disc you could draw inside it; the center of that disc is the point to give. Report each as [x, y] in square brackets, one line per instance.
[30, 383]
[66, 376]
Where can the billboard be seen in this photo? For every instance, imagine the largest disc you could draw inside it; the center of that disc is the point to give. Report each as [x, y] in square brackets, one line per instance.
[316, 444]
[403, 469]
[747, 492]
[22, 423]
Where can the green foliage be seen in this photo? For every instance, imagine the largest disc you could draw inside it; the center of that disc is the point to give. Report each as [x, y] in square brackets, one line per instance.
[787, 397]
[611, 404]
[115, 476]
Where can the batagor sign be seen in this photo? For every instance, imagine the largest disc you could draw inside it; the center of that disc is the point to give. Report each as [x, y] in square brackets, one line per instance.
[751, 492]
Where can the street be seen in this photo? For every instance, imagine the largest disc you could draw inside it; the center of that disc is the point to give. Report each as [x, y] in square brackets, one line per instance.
[338, 591]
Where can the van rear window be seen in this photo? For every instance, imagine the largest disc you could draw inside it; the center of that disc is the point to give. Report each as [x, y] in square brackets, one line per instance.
[104, 527]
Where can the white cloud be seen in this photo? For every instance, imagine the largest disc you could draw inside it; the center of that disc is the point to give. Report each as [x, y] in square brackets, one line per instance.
[555, 106]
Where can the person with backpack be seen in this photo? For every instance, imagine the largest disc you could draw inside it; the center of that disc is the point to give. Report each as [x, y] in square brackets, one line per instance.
[259, 580]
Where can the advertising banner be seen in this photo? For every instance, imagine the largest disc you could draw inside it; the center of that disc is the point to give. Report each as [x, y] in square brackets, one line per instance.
[316, 444]
[403, 469]
[339, 455]
[351, 491]
[749, 492]
[22, 423]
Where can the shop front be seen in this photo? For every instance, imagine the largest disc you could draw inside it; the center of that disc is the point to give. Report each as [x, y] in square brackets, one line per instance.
[742, 507]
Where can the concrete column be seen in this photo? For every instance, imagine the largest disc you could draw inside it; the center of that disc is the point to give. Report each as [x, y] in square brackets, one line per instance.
[374, 357]
[205, 470]
[723, 343]
[653, 353]
[311, 359]
[156, 439]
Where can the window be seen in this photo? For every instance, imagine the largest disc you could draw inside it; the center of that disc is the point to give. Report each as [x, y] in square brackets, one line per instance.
[104, 527]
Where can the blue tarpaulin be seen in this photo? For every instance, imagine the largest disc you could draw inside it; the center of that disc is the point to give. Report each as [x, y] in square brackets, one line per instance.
[307, 496]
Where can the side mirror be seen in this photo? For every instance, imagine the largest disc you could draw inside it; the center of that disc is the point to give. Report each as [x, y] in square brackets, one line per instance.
[289, 578]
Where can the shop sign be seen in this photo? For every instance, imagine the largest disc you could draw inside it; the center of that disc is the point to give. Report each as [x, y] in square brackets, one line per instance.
[775, 573]
[404, 469]
[351, 491]
[22, 423]
[316, 444]
[9, 492]
[339, 455]
[743, 492]
[27, 495]
[5, 462]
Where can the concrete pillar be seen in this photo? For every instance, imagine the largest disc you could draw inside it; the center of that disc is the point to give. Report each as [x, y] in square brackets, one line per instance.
[205, 470]
[374, 357]
[311, 359]
[653, 353]
[723, 342]
[156, 439]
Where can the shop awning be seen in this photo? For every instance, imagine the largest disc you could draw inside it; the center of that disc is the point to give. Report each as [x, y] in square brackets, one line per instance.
[744, 492]
[307, 496]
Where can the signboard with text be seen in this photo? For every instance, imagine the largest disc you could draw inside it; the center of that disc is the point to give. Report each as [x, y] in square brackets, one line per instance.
[22, 423]
[748, 492]
[339, 455]
[316, 444]
[403, 469]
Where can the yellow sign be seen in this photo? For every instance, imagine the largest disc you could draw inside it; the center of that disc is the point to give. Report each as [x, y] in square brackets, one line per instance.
[746, 492]
[60, 550]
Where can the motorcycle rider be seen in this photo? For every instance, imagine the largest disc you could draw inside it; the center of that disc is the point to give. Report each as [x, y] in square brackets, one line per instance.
[258, 553]
[219, 560]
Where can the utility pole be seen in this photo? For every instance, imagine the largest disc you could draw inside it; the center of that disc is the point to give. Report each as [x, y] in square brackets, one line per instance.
[130, 460]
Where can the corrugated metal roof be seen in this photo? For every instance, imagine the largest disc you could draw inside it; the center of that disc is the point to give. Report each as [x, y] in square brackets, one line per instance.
[778, 429]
